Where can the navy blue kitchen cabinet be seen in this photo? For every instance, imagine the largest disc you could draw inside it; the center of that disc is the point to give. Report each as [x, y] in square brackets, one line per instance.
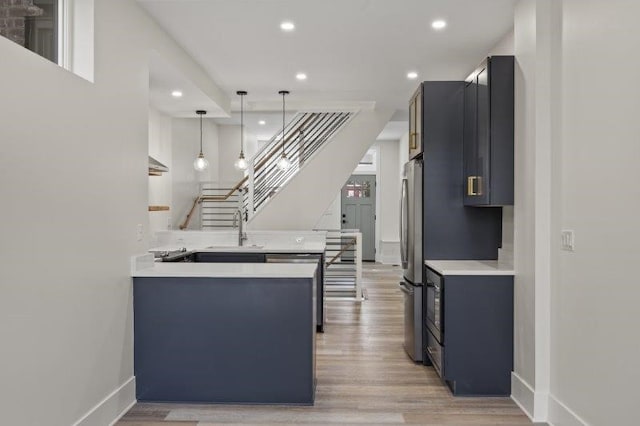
[489, 133]
[262, 257]
[468, 332]
[225, 340]
[450, 229]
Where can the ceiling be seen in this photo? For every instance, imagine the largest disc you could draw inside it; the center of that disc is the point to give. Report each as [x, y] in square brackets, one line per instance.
[354, 52]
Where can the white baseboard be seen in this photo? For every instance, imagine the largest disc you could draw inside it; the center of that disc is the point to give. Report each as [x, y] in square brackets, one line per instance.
[112, 407]
[534, 404]
[389, 252]
[561, 415]
[522, 394]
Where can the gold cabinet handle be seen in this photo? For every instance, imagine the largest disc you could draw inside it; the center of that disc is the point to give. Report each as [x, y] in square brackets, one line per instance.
[470, 191]
[470, 185]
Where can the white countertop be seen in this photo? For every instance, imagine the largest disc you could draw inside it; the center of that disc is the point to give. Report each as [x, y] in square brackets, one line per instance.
[302, 248]
[307, 247]
[227, 241]
[228, 270]
[470, 267]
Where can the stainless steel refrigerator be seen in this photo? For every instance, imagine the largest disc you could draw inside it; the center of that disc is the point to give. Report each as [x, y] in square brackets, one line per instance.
[411, 256]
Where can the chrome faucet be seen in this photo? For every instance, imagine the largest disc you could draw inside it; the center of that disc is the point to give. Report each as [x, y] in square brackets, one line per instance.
[242, 236]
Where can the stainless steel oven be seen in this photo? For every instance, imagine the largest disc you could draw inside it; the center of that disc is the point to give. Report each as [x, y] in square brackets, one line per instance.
[434, 318]
[434, 321]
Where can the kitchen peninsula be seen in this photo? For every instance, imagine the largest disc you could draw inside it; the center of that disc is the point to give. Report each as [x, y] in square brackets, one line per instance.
[259, 247]
[225, 332]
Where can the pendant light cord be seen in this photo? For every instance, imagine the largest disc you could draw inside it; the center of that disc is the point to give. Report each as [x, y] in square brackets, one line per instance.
[200, 133]
[283, 94]
[241, 124]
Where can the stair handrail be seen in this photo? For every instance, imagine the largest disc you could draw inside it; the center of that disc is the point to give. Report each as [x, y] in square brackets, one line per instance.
[200, 198]
[263, 158]
[275, 149]
[343, 248]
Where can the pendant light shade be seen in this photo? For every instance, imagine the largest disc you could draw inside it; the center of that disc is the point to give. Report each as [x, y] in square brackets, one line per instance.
[284, 163]
[200, 162]
[241, 163]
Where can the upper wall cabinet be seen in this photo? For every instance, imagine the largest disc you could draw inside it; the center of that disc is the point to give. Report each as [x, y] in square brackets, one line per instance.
[488, 133]
[415, 124]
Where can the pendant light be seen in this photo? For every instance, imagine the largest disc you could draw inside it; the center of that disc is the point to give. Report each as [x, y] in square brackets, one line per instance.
[200, 162]
[241, 163]
[284, 163]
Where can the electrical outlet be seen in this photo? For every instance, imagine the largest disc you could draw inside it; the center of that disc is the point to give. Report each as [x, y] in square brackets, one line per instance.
[139, 232]
[567, 240]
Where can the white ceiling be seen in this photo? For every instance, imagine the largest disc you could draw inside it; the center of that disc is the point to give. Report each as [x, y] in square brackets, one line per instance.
[353, 51]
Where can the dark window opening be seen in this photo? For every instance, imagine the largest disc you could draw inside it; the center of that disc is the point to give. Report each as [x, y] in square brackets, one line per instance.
[32, 24]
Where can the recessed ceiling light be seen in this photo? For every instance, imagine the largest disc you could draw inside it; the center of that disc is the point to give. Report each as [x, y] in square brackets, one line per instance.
[176, 93]
[262, 122]
[438, 24]
[301, 76]
[412, 75]
[287, 26]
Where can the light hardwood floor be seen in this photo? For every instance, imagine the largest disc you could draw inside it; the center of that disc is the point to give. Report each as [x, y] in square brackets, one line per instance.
[364, 377]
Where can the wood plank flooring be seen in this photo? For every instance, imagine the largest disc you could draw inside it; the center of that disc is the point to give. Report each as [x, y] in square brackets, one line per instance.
[364, 377]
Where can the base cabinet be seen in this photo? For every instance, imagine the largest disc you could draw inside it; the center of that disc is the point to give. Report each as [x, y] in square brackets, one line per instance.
[255, 257]
[225, 340]
[474, 352]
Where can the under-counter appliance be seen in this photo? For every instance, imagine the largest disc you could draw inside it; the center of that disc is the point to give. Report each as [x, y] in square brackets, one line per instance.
[434, 318]
[411, 256]
[179, 255]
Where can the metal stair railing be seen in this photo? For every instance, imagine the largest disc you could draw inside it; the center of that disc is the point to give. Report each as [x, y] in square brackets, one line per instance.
[343, 265]
[216, 210]
[304, 135]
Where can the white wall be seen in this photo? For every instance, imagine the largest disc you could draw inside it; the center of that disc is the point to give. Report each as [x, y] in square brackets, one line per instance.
[186, 180]
[160, 186]
[595, 294]
[576, 167]
[386, 168]
[330, 219]
[389, 184]
[524, 200]
[505, 46]
[229, 150]
[73, 185]
[535, 179]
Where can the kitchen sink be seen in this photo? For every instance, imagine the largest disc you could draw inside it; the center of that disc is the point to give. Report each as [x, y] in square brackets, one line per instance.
[246, 247]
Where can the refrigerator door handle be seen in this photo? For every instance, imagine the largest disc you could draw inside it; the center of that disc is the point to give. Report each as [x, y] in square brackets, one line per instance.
[404, 219]
[405, 289]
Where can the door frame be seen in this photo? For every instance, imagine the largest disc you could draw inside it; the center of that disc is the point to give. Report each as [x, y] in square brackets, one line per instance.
[374, 171]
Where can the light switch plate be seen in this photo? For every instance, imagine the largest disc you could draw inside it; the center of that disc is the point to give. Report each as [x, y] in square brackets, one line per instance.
[567, 240]
[139, 232]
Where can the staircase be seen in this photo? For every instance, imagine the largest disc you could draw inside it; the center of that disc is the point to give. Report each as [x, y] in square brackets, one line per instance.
[323, 148]
[305, 134]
